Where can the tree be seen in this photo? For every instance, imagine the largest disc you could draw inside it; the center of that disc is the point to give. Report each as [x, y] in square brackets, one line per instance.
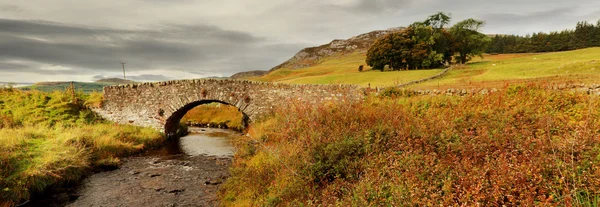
[392, 49]
[469, 41]
[424, 44]
[438, 21]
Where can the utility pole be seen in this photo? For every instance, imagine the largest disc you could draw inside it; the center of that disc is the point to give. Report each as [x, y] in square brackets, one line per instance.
[123, 64]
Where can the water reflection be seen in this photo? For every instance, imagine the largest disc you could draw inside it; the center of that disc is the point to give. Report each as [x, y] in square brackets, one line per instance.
[201, 141]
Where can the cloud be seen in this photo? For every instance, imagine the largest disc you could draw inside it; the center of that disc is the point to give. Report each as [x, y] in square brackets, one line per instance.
[197, 38]
[378, 6]
[169, 46]
[11, 8]
[142, 77]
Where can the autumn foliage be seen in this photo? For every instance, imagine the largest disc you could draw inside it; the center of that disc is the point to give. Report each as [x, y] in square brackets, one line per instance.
[521, 146]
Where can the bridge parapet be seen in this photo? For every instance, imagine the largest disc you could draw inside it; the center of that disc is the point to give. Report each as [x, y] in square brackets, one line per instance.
[161, 105]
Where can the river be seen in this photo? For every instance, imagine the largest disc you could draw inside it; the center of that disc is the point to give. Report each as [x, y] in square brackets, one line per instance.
[184, 172]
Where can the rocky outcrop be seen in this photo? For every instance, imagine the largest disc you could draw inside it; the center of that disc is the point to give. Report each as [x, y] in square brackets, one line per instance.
[312, 55]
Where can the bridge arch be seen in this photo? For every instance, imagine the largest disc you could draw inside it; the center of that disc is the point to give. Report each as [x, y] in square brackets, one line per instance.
[159, 104]
[172, 122]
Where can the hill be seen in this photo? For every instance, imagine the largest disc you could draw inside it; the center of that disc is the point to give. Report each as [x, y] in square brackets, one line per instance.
[249, 74]
[577, 66]
[86, 87]
[343, 69]
[114, 81]
[314, 55]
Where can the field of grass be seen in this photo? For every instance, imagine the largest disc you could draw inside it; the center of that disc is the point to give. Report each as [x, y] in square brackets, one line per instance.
[343, 69]
[216, 114]
[521, 146]
[579, 66]
[47, 139]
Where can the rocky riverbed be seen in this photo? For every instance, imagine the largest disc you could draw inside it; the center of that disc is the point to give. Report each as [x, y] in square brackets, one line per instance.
[171, 176]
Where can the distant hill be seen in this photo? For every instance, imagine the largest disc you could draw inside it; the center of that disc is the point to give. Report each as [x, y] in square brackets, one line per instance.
[86, 87]
[311, 56]
[114, 81]
[248, 74]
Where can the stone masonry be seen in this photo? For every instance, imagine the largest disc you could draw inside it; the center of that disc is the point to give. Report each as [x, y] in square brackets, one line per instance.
[161, 105]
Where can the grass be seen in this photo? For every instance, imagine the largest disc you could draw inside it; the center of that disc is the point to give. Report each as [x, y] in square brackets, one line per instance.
[343, 69]
[580, 66]
[216, 114]
[521, 146]
[48, 139]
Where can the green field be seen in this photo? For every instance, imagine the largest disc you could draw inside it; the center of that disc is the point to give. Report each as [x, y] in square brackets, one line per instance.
[579, 66]
[343, 69]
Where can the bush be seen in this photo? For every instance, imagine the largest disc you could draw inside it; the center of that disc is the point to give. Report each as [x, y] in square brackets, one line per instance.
[525, 146]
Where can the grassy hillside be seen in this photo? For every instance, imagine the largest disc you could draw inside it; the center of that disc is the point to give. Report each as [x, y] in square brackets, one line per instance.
[47, 139]
[343, 69]
[580, 66]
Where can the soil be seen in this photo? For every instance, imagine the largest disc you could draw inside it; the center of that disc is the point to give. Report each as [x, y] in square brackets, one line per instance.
[172, 180]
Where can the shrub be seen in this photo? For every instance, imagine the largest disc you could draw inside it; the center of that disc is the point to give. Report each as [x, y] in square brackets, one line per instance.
[525, 146]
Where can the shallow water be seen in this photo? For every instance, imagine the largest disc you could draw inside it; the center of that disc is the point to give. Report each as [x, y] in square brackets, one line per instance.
[211, 142]
[197, 150]
[200, 141]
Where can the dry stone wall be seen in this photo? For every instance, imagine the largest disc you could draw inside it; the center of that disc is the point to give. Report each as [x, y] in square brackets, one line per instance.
[161, 105]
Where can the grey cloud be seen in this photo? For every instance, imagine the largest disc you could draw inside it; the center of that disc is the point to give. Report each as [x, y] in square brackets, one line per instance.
[11, 66]
[530, 17]
[142, 77]
[187, 47]
[557, 18]
[11, 8]
[149, 77]
[377, 6]
[219, 38]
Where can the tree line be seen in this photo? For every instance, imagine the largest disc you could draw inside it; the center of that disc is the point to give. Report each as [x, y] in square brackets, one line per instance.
[429, 44]
[583, 36]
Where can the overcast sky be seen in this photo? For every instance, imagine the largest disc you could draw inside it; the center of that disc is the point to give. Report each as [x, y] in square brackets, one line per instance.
[61, 40]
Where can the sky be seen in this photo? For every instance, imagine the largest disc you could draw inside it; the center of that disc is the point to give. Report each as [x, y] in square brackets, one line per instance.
[75, 40]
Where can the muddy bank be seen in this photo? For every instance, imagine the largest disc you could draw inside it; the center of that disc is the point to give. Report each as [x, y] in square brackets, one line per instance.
[185, 172]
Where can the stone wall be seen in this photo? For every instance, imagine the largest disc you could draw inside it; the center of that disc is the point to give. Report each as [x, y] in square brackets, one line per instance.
[161, 105]
[426, 79]
[591, 89]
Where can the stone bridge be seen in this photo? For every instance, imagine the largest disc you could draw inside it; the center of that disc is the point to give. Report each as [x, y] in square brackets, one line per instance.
[161, 105]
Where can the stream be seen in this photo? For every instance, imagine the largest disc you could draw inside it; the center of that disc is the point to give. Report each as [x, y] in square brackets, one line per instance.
[184, 172]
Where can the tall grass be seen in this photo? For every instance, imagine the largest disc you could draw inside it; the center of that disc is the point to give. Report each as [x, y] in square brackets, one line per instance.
[48, 139]
[520, 146]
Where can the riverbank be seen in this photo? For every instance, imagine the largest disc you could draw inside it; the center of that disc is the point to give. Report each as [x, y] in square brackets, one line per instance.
[49, 140]
[176, 180]
[185, 171]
